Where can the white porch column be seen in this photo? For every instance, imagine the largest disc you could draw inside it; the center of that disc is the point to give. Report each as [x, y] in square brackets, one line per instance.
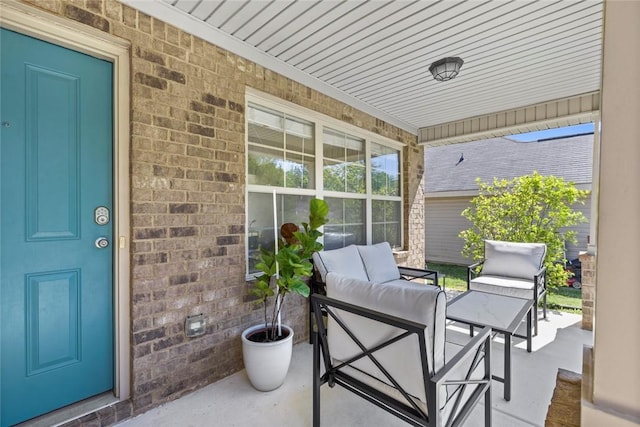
[612, 370]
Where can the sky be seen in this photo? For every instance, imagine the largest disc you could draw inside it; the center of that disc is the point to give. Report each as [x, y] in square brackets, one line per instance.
[553, 133]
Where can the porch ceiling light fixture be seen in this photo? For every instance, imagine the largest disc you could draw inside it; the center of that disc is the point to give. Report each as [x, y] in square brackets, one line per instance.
[446, 68]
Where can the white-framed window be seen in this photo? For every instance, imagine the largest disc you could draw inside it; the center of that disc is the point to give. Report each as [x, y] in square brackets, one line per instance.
[298, 154]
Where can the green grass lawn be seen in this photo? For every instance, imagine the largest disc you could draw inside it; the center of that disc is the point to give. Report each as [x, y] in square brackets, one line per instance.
[455, 276]
[565, 298]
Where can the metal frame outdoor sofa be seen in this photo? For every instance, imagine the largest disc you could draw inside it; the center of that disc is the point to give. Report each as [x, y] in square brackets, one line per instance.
[384, 340]
[388, 270]
[512, 269]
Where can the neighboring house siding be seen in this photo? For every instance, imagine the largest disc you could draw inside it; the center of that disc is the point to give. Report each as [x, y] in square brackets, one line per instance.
[444, 222]
[582, 231]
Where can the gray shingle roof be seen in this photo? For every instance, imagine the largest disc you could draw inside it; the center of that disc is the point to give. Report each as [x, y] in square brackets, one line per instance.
[570, 158]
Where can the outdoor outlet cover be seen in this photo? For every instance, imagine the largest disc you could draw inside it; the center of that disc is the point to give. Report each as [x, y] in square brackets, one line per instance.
[195, 325]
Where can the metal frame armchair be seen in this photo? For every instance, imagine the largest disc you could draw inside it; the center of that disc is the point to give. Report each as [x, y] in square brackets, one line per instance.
[512, 269]
[397, 363]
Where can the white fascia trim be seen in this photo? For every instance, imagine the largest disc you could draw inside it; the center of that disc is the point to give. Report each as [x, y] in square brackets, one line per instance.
[174, 16]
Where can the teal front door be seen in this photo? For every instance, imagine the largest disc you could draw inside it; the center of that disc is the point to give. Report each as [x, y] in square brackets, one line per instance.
[56, 289]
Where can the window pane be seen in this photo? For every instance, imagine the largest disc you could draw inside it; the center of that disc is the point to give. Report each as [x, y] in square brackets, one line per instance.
[299, 171]
[346, 224]
[354, 211]
[333, 173]
[355, 177]
[266, 127]
[386, 222]
[260, 135]
[300, 135]
[300, 149]
[266, 117]
[265, 167]
[332, 138]
[385, 170]
[343, 162]
[300, 144]
[354, 149]
[260, 232]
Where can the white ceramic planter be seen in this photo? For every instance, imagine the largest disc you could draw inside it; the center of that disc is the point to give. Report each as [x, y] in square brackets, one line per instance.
[266, 363]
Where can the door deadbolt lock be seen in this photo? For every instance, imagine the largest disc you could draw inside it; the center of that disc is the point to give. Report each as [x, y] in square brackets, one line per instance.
[102, 242]
[101, 215]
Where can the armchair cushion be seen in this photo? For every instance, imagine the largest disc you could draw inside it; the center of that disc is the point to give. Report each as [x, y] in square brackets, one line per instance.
[411, 301]
[379, 262]
[512, 287]
[345, 261]
[509, 259]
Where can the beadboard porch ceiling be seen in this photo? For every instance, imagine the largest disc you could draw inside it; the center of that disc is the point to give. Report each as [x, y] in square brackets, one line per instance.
[375, 55]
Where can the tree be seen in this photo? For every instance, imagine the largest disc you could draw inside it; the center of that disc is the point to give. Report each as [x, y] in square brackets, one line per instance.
[532, 209]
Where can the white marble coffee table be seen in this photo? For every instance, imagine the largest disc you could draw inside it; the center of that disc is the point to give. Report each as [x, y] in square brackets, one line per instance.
[501, 313]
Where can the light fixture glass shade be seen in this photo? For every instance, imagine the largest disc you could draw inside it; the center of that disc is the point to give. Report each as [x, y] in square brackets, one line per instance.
[446, 68]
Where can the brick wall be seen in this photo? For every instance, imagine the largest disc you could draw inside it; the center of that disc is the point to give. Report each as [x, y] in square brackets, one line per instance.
[588, 263]
[414, 208]
[188, 197]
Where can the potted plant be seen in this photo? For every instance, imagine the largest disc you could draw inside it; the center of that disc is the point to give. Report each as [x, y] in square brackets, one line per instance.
[267, 347]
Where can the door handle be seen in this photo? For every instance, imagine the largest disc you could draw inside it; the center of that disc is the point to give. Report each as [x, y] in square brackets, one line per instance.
[102, 242]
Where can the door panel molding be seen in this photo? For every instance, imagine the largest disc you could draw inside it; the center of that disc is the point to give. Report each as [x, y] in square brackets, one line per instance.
[44, 354]
[76, 36]
[45, 221]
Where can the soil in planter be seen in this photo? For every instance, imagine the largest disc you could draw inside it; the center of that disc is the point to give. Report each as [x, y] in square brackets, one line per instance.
[261, 336]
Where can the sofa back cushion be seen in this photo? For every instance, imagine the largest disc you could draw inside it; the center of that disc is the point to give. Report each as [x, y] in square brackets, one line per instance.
[408, 300]
[345, 261]
[379, 262]
[510, 259]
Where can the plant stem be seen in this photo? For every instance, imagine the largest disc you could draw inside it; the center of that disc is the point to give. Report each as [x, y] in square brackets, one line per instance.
[266, 321]
[271, 332]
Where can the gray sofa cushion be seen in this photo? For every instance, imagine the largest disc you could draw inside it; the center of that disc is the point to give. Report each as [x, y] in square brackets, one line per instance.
[408, 300]
[379, 262]
[345, 261]
[509, 259]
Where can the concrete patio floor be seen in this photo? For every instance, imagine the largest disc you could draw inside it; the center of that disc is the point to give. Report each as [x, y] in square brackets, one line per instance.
[233, 402]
